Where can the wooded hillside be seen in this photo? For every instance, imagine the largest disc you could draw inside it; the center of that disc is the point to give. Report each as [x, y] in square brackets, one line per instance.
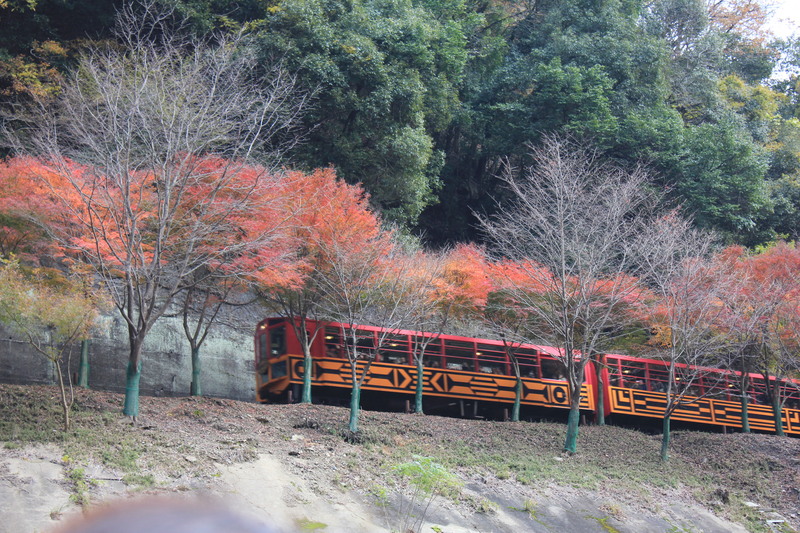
[421, 101]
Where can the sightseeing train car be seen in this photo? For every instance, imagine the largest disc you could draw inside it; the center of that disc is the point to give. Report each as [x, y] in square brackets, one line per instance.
[636, 387]
[472, 377]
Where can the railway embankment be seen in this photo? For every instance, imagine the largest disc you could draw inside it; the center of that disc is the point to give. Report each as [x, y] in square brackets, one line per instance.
[295, 468]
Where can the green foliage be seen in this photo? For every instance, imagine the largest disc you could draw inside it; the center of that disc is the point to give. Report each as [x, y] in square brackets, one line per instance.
[80, 483]
[721, 177]
[50, 312]
[141, 480]
[122, 455]
[387, 75]
[421, 100]
[310, 525]
[427, 479]
[47, 310]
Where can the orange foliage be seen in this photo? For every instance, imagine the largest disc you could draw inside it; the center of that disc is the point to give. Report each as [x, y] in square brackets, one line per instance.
[746, 17]
[465, 281]
[774, 289]
[27, 204]
[323, 214]
[204, 211]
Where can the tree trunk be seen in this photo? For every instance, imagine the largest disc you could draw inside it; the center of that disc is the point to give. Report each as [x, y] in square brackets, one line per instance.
[196, 388]
[305, 396]
[777, 414]
[65, 405]
[601, 395]
[83, 367]
[134, 372]
[571, 442]
[419, 386]
[355, 405]
[665, 436]
[574, 389]
[745, 414]
[517, 400]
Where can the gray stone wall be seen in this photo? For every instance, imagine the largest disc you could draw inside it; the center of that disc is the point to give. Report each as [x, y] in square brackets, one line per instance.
[226, 356]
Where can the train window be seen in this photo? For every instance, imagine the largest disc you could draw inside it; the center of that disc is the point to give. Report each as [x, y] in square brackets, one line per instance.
[716, 384]
[792, 396]
[277, 341]
[365, 344]
[552, 369]
[614, 375]
[658, 378]
[262, 346]
[632, 375]
[395, 349]
[460, 355]
[528, 363]
[459, 348]
[491, 359]
[492, 368]
[492, 352]
[459, 363]
[433, 347]
[432, 356]
[694, 390]
[758, 392]
[333, 343]
[432, 360]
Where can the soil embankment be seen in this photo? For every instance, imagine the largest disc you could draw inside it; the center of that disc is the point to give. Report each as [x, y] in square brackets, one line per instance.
[292, 467]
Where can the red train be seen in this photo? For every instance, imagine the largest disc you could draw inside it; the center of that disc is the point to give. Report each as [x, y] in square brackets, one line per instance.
[474, 377]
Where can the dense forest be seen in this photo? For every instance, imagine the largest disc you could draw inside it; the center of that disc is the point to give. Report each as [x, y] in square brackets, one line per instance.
[425, 102]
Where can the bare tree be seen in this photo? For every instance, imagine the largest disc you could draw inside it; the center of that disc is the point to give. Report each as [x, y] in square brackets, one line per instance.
[148, 143]
[510, 320]
[427, 308]
[366, 286]
[744, 326]
[571, 225]
[210, 300]
[691, 287]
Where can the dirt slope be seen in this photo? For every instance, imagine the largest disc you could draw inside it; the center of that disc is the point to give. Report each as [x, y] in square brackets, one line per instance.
[291, 467]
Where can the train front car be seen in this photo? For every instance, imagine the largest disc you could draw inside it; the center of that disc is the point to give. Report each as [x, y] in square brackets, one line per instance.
[273, 342]
[461, 376]
[636, 388]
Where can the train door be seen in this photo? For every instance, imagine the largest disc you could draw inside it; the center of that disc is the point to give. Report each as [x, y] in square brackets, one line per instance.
[271, 361]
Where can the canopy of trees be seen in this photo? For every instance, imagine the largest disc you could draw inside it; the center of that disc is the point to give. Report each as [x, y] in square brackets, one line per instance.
[420, 101]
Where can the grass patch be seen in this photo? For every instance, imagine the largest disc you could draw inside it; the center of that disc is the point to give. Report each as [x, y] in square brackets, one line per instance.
[80, 484]
[144, 481]
[122, 456]
[304, 524]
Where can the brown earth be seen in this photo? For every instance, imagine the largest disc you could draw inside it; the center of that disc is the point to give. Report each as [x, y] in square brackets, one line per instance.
[293, 466]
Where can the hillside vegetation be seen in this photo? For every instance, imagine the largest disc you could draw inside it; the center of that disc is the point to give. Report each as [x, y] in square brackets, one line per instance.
[181, 443]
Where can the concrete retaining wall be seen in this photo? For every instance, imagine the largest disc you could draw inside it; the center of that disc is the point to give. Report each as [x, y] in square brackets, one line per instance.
[226, 356]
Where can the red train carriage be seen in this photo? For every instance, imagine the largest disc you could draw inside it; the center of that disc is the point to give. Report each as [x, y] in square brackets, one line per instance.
[636, 387]
[457, 369]
[463, 369]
